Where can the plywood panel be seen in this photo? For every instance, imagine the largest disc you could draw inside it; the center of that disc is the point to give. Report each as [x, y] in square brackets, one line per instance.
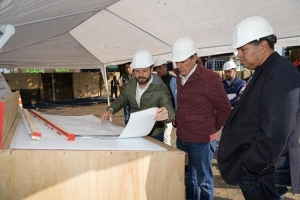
[220, 73]
[86, 84]
[246, 73]
[23, 81]
[9, 137]
[239, 74]
[8, 112]
[71, 175]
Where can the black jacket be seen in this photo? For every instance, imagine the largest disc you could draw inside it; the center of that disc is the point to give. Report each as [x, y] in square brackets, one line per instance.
[264, 126]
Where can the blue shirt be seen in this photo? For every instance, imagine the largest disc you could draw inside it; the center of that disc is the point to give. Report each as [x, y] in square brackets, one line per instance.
[234, 88]
[173, 88]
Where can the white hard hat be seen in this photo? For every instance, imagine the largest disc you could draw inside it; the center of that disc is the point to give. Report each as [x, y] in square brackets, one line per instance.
[142, 59]
[183, 48]
[159, 61]
[229, 65]
[250, 29]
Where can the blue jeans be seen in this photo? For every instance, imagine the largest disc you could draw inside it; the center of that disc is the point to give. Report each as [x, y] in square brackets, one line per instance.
[127, 113]
[269, 186]
[159, 137]
[199, 181]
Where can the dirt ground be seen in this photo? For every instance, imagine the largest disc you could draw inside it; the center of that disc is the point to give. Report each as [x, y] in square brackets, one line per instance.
[222, 190]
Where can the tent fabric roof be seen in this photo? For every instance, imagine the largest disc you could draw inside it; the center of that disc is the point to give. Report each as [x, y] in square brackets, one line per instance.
[42, 38]
[97, 33]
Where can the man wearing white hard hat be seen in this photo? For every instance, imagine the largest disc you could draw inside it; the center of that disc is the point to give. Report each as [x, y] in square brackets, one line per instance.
[161, 67]
[202, 109]
[259, 145]
[145, 91]
[232, 83]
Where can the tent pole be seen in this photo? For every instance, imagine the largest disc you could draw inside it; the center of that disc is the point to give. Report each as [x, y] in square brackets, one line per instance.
[105, 81]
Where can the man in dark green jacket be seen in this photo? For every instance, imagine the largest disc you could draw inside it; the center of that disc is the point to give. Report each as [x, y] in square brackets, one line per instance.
[147, 90]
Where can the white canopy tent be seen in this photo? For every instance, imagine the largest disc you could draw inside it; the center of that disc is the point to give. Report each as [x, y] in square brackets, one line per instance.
[96, 33]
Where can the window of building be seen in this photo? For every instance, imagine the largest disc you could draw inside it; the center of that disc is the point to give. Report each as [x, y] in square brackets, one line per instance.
[215, 65]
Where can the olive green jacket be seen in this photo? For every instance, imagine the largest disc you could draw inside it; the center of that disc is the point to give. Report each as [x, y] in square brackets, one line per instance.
[156, 95]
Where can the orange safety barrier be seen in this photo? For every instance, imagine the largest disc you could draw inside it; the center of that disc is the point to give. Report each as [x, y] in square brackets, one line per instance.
[20, 101]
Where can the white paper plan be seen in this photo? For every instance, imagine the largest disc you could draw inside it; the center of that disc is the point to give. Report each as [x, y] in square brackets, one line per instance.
[89, 126]
[91, 134]
[231, 96]
[140, 123]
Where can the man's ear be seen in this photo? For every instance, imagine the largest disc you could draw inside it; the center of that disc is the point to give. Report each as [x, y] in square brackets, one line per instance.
[194, 60]
[264, 46]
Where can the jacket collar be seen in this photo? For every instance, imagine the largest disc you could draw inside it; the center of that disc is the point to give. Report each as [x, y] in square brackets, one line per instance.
[197, 71]
[256, 74]
[155, 80]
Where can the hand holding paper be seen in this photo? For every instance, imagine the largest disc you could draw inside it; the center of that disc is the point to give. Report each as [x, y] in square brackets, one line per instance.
[161, 114]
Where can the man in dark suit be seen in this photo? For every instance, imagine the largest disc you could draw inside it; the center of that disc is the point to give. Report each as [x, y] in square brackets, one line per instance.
[259, 146]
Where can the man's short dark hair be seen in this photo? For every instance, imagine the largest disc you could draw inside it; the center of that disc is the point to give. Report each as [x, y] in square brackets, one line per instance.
[192, 56]
[271, 39]
[128, 63]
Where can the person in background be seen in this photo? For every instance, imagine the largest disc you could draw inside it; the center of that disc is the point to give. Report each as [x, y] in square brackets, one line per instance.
[145, 91]
[259, 145]
[296, 63]
[114, 87]
[122, 83]
[232, 83]
[202, 109]
[160, 65]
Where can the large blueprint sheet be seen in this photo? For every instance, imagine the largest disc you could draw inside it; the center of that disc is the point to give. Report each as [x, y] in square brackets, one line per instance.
[88, 128]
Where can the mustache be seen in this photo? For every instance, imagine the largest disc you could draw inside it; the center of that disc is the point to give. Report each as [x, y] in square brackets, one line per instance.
[141, 77]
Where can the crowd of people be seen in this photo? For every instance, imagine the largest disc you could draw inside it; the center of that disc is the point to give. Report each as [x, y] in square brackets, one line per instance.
[260, 118]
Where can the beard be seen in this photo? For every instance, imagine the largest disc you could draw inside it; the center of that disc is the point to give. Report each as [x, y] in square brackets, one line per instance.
[143, 80]
[229, 78]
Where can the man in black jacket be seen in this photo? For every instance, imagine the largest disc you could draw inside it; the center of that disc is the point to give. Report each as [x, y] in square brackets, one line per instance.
[160, 65]
[259, 146]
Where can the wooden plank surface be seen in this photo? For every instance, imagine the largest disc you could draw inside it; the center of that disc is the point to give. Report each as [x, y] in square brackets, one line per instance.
[7, 141]
[34, 131]
[64, 132]
[71, 175]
